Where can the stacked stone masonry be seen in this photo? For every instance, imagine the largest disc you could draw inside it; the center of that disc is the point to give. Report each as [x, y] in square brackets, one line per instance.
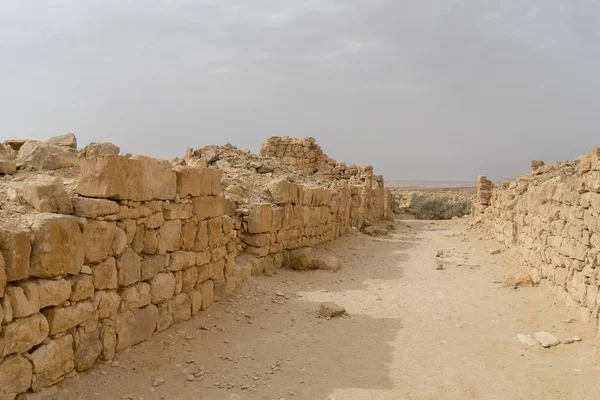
[143, 244]
[552, 216]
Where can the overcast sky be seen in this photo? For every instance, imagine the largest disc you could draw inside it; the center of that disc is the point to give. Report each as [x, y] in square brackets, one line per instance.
[421, 89]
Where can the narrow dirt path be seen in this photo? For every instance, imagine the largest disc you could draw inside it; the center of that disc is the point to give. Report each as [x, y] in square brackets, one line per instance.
[414, 332]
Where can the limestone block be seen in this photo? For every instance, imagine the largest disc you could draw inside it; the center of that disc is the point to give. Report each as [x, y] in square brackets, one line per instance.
[182, 308]
[178, 211]
[58, 248]
[100, 149]
[108, 337]
[204, 273]
[129, 267]
[283, 191]
[190, 230]
[98, 238]
[202, 236]
[2, 277]
[209, 206]
[203, 257]
[594, 160]
[24, 299]
[218, 253]
[215, 231]
[139, 178]
[260, 218]
[120, 242]
[181, 259]
[169, 236]
[15, 376]
[106, 302]
[133, 327]
[88, 347]
[302, 258]
[53, 292]
[43, 156]
[165, 316]
[104, 275]
[135, 296]
[150, 242]
[66, 140]
[257, 240]
[196, 297]
[228, 224]
[207, 291]
[198, 181]
[218, 270]
[46, 194]
[152, 266]
[278, 217]
[93, 208]
[178, 282]
[190, 278]
[153, 221]
[162, 287]
[15, 244]
[61, 319]
[51, 362]
[22, 334]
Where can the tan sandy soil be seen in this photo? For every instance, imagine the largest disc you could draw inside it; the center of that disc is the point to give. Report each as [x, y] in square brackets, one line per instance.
[414, 332]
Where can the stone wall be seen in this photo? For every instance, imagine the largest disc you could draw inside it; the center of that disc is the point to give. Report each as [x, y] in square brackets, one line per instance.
[138, 245]
[552, 217]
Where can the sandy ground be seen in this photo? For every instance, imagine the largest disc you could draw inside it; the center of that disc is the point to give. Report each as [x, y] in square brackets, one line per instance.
[414, 332]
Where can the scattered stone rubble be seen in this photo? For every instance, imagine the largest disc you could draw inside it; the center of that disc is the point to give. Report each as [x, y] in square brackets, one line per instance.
[100, 251]
[551, 216]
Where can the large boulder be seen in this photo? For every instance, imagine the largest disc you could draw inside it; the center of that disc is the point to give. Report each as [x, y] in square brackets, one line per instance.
[67, 140]
[45, 193]
[7, 160]
[100, 150]
[303, 258]
[43, 156]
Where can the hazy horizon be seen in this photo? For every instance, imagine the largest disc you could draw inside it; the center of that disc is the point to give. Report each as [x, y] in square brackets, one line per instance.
[422, 90]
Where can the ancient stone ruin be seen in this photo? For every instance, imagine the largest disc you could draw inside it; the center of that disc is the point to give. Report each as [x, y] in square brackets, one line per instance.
[100, 251]
[552, 216]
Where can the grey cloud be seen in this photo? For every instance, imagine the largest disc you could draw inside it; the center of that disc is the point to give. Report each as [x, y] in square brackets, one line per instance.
[429, 89]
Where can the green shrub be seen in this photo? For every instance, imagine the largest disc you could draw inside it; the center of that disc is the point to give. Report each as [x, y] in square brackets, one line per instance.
[435, 208]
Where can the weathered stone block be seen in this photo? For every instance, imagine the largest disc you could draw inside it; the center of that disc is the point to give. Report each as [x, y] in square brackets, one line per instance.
[135, 296]
[198, 181]
[106, 302]
[15, 376]
[88, 347]
[52, 361]
[190, 278]
[43, 156]
[2, 277]
[215, 231]
[58, 248]
[53, 292]
[165, 316]
[283, 191]
[303, 258]
[207, 291]
[61, 319]
[181, 259]
[133, 327]
[22, 334]
[178, 211]
[104, 275]
[201, 236]
[108, 337]
[93, 208]
[24, 299]
[162, 287]
[182, 308]
[209, 206]
[150, 242]
[152, 266]
[15, 244]
[260, 218]
[46, 194]
[98, 238]
[169, 236]
[128, 268]
[257, 240]
[138, 178]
